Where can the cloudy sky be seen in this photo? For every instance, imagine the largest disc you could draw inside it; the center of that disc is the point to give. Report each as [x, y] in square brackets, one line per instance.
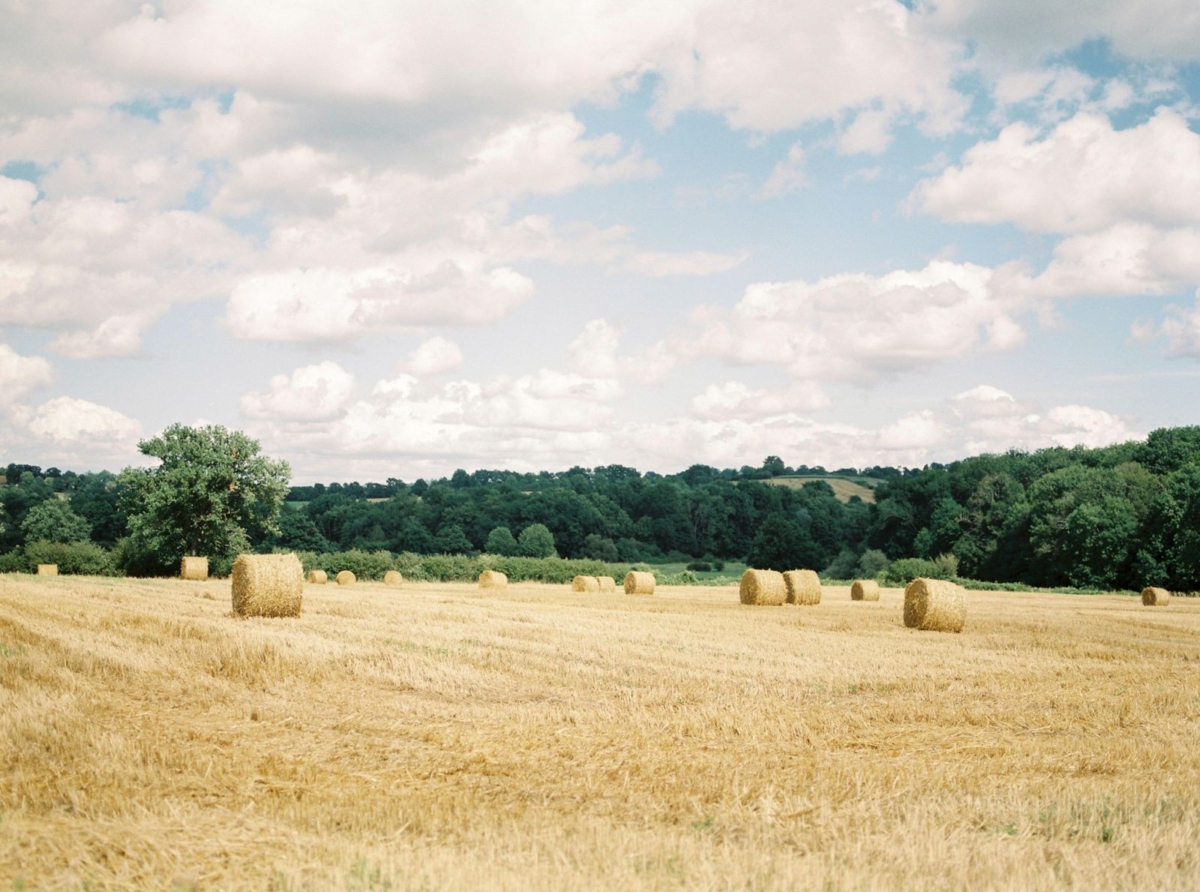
[394, 238]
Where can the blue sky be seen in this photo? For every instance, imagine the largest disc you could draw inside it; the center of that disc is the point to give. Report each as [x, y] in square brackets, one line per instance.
[393, 239]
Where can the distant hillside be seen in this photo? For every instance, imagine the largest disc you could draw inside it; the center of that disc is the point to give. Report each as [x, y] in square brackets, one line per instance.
[843, 487]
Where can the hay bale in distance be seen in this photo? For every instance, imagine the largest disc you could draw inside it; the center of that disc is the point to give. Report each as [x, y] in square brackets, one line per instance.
[864, 590]
[47, 570]
[607, 583]
[194, 568]
[346, 578]
[585, 584]
[393, 577]
[935, 605]
[763, 587]
[492, 579]
[267, 585]
[318, 577]
[803, 587]
[1153, 596]
[638, 582]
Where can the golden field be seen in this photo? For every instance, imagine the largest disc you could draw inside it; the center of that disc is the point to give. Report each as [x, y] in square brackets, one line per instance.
[441, 737]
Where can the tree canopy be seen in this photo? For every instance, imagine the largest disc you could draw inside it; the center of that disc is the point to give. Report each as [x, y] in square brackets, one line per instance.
[211, 491]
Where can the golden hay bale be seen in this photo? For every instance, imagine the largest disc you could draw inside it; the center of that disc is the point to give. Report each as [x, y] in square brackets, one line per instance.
[585, 584]
[935, 605]
[346, 578]
[492, 579]
[393, 577]
[803, 587]
[47, 570]
[194, 568]
[318, 577]
[1152, 596]
[267, 585]
[864, 590]
[638, 582]
[607, 583]
[763, 587]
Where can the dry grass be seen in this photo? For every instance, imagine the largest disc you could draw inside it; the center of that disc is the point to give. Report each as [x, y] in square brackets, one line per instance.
[318, 577]
[393, 577]
[606, 583]
[843, 489]
[346, 577]
[193, 568]
[47, 569]
[439, 737]
[585, 584]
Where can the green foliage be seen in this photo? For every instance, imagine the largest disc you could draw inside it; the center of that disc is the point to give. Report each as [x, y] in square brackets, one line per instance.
[536, 541]
[211, 491]
[905, 570]
[600, 548]
[451, 539]
[781, 545]
[73, 558]
[54, 521]
[872, 563]
[363, 564]
[501, 541]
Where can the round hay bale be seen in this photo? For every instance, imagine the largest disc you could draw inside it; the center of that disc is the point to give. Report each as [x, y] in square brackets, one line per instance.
[763, 587]
[346, 578]
[935, 605]
[585, 584]
[318, 577]
[803, 587]
[393, 577]
[864, 590]
[607, 583]
[1152, 596]
[492, 579]
[638, 582]
[194, 568]
[47, 570]
[267, 585]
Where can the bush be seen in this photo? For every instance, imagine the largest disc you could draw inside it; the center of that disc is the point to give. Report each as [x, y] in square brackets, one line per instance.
[873, 562]
[700, 566]
[905, 570]
[363, 564]
[73, 558]
[13, 562]
[718, 565]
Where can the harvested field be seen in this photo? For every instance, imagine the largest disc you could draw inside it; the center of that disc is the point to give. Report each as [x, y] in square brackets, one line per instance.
[439, 736]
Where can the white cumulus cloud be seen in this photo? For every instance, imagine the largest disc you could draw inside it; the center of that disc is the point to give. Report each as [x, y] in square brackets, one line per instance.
[313, 393]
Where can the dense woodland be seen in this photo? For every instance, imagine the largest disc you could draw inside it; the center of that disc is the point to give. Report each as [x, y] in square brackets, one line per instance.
[1122, 516]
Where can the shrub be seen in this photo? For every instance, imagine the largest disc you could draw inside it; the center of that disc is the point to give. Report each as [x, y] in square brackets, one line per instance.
[74, 558]
[872, 563]
[905, 570]
[13, 562]
[700, 566]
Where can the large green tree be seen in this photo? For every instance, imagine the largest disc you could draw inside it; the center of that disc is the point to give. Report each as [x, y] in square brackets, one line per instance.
[211, 491]
[54, 521]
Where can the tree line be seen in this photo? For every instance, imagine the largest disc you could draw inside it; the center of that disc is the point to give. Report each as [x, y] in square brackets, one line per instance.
[1122, 516]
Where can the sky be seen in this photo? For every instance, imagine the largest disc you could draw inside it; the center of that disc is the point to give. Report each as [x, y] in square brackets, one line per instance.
[393, 239]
